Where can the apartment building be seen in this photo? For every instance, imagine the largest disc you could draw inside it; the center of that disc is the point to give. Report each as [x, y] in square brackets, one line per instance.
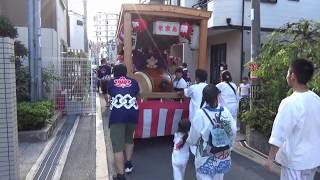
[105, 25]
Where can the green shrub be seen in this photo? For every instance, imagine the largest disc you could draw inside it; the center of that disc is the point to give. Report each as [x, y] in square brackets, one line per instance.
[33, 115]
[7, 29]
[49, 105]
[260, 119]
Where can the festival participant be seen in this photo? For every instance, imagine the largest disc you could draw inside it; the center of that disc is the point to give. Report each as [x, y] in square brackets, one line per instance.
[228, 97]
[123, 118]
[244, 88]
[185, 75]
[139, 60]
[213, 133]
[194, 92]
[295, 133]
[180, 153]
[104, 74]
[179, 84]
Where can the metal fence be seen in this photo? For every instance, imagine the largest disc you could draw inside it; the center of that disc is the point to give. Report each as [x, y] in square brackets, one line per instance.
[76, 94]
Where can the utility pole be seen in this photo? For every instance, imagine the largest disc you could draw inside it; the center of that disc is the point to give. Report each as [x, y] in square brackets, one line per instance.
[255, 43]
[107, 33]
[34, 35]
[255, 29]
[85, 15]
[31, 50]
[37, 36]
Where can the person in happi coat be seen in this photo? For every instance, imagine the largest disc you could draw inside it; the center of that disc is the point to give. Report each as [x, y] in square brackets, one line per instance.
[123, 118]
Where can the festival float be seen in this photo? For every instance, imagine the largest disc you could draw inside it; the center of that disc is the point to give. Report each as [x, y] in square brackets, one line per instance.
[153, 40]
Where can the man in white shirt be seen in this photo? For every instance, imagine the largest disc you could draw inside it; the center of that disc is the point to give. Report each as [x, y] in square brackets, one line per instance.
[295, 137]
[194, 92]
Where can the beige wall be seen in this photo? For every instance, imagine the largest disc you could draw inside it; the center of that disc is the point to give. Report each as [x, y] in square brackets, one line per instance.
[17, 12]
[233, 41]
[48, 14]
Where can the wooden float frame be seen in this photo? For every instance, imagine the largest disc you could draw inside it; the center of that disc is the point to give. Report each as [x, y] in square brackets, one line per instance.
[164, 11]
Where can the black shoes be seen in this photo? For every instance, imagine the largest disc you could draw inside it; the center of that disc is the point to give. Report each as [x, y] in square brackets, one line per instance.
[128, 168]
[119, 177]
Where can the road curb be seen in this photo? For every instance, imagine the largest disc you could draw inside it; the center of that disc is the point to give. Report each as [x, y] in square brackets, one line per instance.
[102, 172]
[256, 157]
[110, 158]
[42, 134]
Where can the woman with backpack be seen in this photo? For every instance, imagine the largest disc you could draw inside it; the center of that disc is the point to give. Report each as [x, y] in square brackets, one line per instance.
[228, 97]
[213, 134]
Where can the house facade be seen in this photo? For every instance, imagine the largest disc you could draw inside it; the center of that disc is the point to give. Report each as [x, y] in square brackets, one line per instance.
[76, 31]
[54, 36]
[229, 29]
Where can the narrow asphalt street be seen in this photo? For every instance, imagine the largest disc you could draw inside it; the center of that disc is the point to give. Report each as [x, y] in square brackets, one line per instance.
[152, 161]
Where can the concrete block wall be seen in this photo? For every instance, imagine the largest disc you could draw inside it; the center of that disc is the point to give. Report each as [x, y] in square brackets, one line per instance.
[8, 113]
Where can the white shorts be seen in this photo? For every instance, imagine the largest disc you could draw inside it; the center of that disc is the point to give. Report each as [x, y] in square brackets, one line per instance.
[291, 174]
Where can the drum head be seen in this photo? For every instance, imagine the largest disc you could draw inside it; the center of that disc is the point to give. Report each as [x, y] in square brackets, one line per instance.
[144, 82]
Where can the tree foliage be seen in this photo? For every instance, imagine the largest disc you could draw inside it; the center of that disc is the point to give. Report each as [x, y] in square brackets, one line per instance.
[23, 75]
[294, 40]
[7, 29]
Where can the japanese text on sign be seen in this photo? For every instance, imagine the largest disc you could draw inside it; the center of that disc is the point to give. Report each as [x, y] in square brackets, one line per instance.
[166, 28]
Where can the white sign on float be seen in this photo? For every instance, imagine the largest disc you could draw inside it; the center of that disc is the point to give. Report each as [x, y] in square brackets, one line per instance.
[166, 28]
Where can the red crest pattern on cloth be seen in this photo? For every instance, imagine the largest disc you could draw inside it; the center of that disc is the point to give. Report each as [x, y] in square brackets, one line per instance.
[122, 82]
[179, 145]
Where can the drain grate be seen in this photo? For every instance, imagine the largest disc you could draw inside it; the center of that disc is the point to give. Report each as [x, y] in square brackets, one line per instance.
[50, 162]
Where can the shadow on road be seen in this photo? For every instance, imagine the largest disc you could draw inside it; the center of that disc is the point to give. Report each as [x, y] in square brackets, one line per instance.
[152, 160]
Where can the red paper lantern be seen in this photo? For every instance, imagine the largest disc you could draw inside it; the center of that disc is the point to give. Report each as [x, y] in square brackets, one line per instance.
[139, 25]
[185, 30]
